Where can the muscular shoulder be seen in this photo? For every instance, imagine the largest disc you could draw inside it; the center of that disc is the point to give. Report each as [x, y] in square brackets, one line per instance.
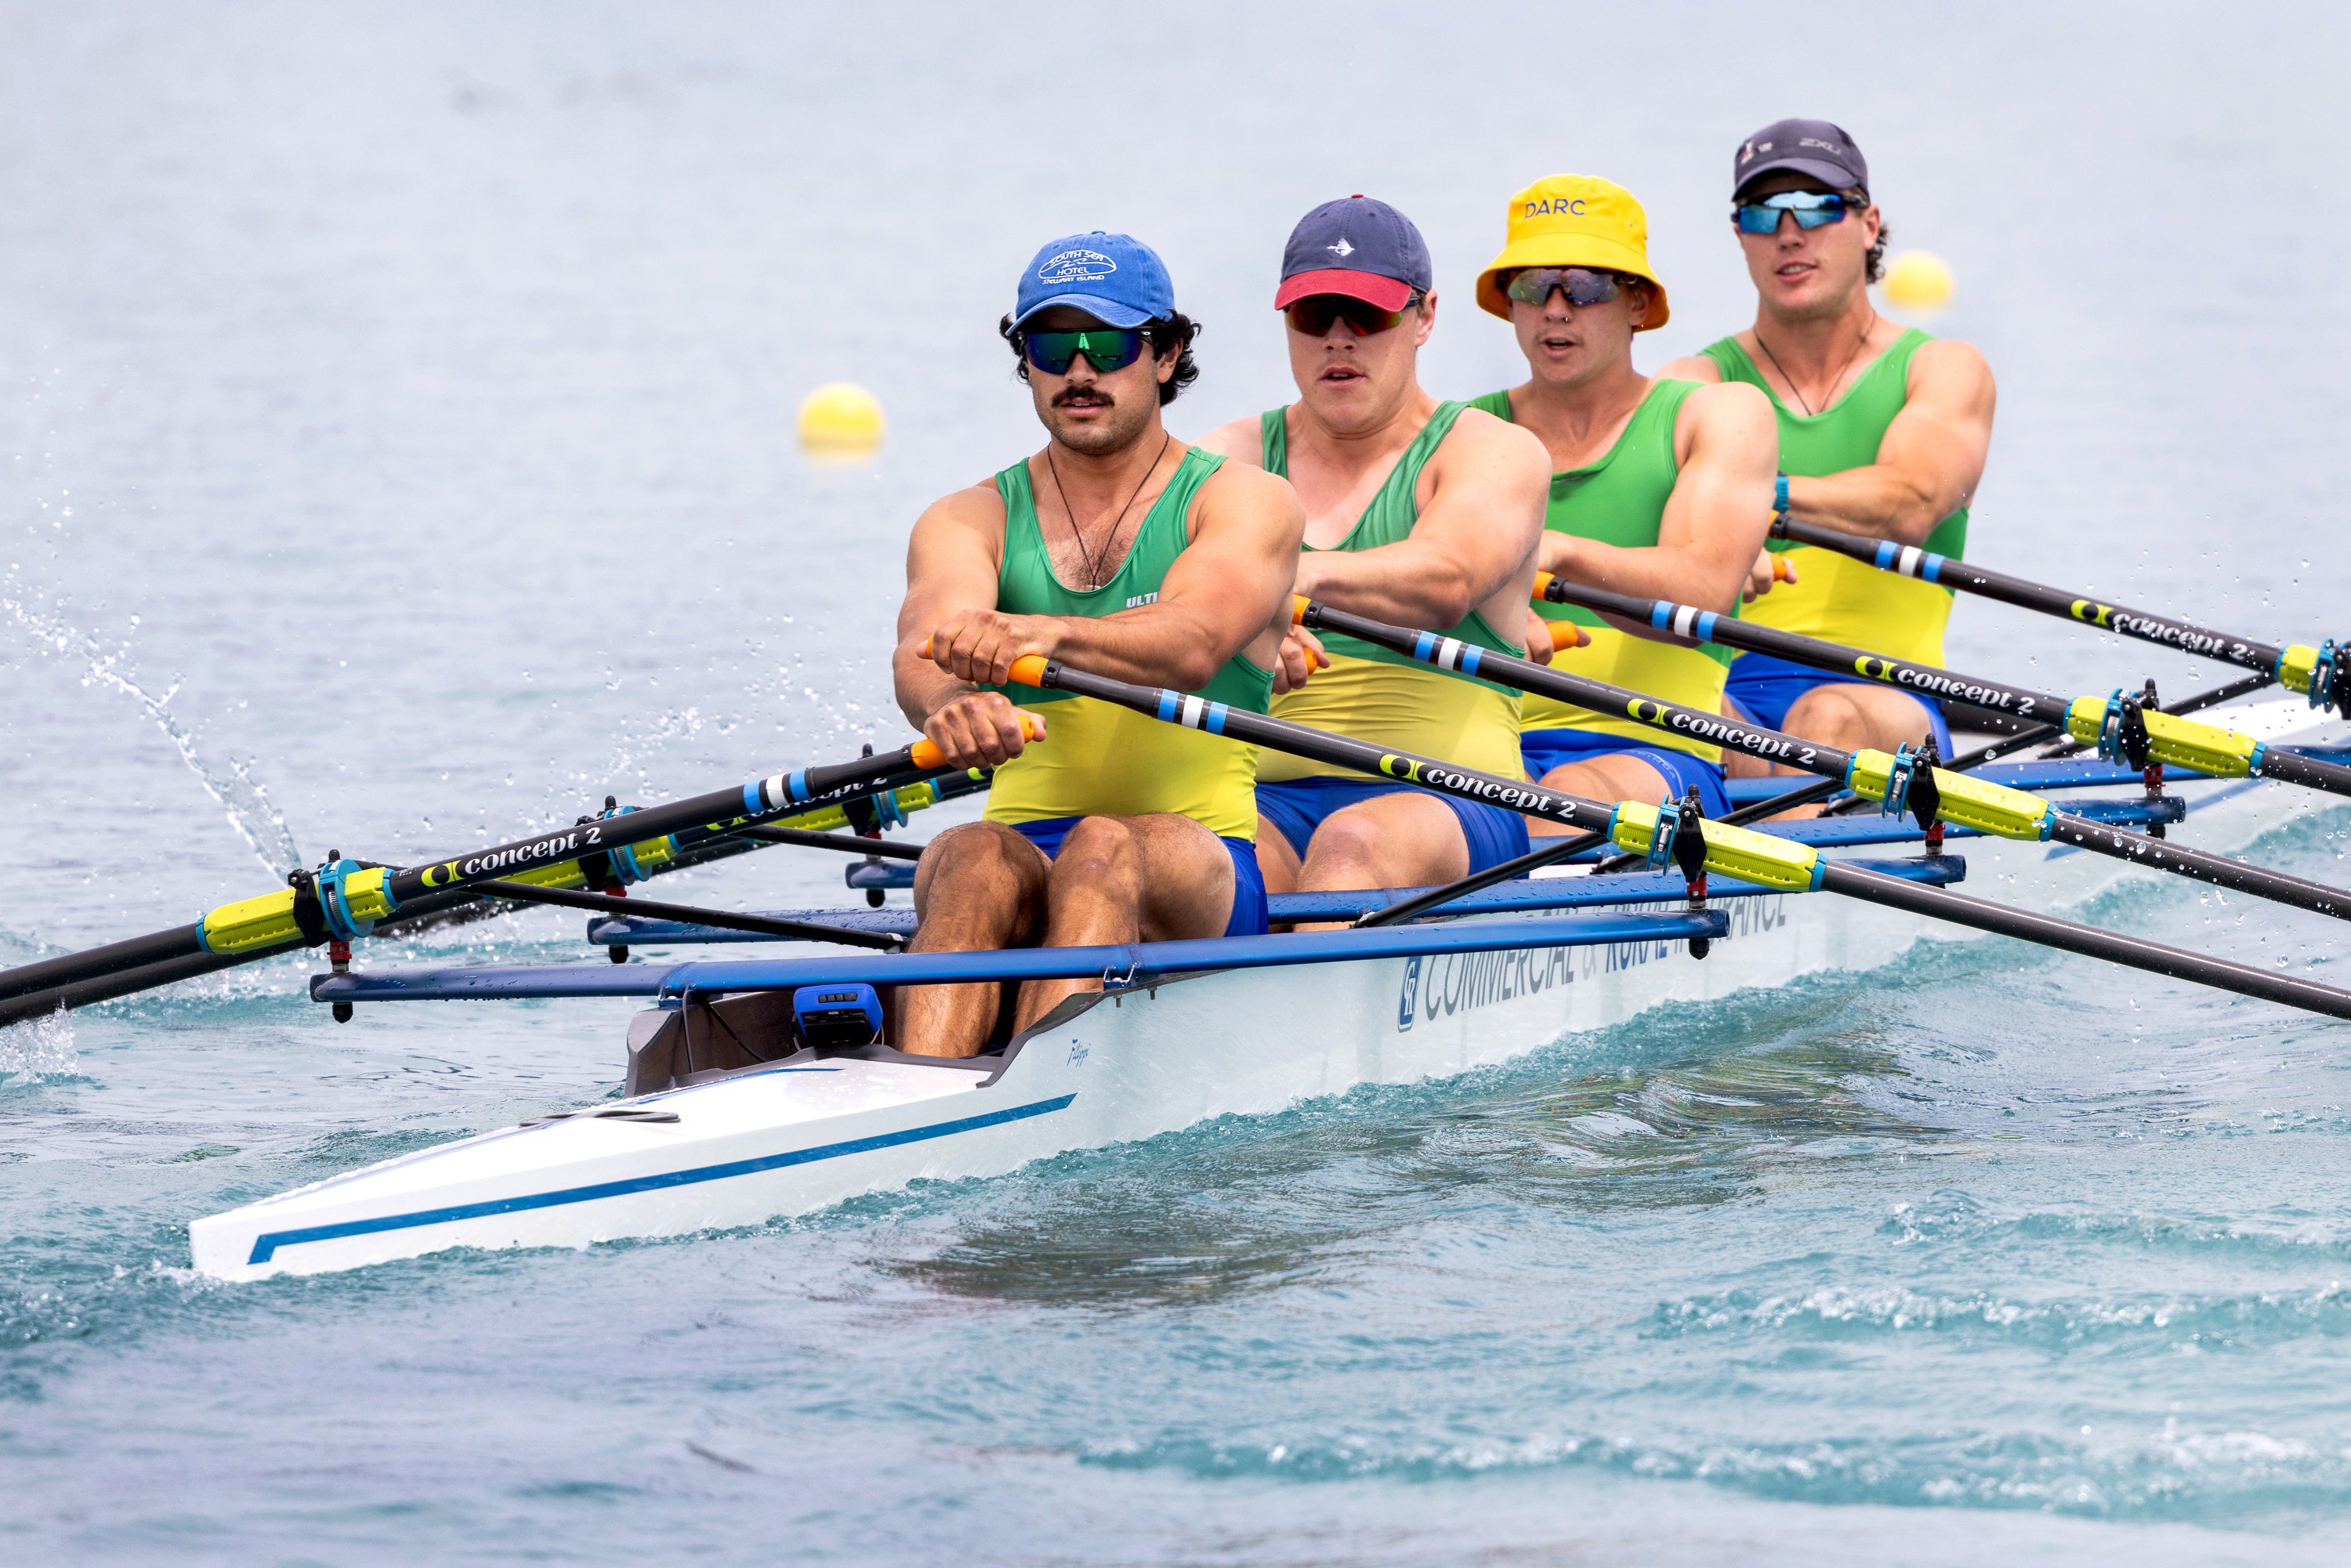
[1479, 438]
[1948, 366]
[1728, 420]
[1241, 496]
[1728, 405]
[1242, 441]
[1690, 368]
[976, 509]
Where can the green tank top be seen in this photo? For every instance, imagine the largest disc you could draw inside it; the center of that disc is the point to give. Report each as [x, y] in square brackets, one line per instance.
[1620, 500]
[1836, 596]
[1098, 759]
[1385, 698]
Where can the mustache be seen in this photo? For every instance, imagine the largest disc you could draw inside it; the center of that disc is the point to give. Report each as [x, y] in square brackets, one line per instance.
[1092, 395]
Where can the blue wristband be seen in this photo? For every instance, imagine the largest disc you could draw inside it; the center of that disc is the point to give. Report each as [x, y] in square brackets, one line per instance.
[1780, 500]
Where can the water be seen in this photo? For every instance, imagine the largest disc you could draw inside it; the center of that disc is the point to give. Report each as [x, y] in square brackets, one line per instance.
[394, 453]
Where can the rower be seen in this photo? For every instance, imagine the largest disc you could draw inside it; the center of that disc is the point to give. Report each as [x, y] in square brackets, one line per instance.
[1131, 555]
[1417, 511]
[1883, 433]
[1658, 487]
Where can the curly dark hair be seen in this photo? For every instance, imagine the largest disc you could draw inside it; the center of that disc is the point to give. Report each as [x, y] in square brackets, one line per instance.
[1874, 266]
[1174, 331]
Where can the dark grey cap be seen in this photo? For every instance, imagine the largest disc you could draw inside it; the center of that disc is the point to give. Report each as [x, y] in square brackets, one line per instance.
[1812, 147]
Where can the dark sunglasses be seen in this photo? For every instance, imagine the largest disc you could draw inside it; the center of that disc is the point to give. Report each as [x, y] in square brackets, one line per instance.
[1315, 314]
[1106, 349]
[1582, 285]
[1812, 208]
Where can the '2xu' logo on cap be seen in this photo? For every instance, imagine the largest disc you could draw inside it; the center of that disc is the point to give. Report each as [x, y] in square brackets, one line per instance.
[1076, 267]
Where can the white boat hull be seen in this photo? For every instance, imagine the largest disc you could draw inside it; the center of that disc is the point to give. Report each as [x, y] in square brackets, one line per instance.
[778, 1141]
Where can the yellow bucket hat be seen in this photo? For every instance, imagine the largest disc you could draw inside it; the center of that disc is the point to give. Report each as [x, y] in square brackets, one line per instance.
[1573, 220]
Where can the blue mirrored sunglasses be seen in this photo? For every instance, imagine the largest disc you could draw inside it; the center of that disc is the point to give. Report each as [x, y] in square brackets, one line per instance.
[1812, 209]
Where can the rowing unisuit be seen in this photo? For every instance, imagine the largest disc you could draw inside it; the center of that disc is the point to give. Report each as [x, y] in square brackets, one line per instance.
[1419, 512]
[1883, 433]
[1105, 760]
[1373, 694]
[1116, 549]
[1834, 598]
[1619, 501]
[1659, 486]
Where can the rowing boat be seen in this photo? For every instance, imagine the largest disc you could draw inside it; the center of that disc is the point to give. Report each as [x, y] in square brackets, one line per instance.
[745, 1103]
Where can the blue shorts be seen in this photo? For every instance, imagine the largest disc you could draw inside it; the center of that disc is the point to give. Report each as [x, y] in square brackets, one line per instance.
[1765, 688]
[1247, 918]
[1545, 749]
[1294, 808]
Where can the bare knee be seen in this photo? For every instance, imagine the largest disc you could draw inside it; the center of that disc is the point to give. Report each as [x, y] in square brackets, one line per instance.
[972, 849]
[1095, 850]
[1345, 839]
[982, 870]
[1827, 715]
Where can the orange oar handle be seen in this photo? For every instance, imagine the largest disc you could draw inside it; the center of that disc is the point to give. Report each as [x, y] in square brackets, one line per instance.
[1782, 571]
[926, 754]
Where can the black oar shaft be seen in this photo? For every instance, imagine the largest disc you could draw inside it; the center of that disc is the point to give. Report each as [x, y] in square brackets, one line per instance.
[804, 790]
[1703, 626]
[2132, 952]
[847, 843]
[1772, 860]
[2220, 752]
[2033, 822]
[259, 927]
[181, 942]
[1908, 560]
[1559, 849]
[724, 919]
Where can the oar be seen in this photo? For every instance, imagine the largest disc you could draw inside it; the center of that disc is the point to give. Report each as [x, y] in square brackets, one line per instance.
[1737, 852]
[2120, 725]
[723, 919]
[344, 900]
[2320, 672]
[1899, 782]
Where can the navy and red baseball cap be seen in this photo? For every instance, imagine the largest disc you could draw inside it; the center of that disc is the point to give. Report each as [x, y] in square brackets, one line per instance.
[1360, 247]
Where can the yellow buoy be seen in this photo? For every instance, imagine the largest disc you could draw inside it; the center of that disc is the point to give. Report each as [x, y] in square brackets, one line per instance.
[1918, 281]
[840, 417]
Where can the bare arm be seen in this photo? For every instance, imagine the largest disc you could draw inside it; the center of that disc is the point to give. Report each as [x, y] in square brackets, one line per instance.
[1928, 463]
[953, 561]
[1472, 547]
[1696, 367]
[1728, 446]
[1241, 441]
[1226, 593]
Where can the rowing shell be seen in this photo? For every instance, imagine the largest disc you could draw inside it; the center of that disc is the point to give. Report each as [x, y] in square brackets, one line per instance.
[1279, 1019]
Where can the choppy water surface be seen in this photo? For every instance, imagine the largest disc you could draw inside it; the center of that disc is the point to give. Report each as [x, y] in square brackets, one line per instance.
[394, 453]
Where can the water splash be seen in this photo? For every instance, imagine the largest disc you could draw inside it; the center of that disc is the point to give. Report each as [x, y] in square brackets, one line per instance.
[243, 798]
[39, 1048]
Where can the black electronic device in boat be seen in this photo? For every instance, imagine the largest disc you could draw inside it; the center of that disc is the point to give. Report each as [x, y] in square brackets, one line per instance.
[837, 1017]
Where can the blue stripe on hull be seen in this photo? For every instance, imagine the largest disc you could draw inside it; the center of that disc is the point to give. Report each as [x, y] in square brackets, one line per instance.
[265, 1246]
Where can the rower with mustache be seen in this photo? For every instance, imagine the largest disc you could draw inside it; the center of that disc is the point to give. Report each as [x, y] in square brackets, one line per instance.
[1131, 555]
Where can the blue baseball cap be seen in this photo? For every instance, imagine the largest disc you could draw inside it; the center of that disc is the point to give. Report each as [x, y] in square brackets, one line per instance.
[1360, 247]
[1115, 278]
